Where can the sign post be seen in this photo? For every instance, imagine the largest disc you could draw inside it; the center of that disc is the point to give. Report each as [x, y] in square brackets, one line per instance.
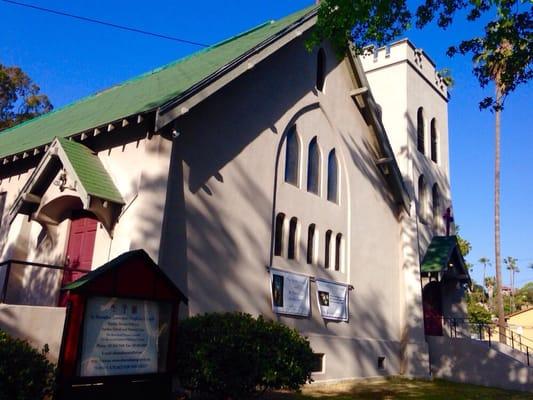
[120, 331]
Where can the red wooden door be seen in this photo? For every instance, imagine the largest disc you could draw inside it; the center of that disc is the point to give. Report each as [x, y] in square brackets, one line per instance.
[80, 249]
[432, 308]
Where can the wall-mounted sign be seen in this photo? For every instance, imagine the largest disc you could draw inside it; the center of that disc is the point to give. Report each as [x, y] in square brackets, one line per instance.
[332, 300]
[120, 337]
[290, 293]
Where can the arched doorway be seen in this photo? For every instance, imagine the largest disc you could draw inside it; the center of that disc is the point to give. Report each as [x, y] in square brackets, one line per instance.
[80, 248]
[432, 305]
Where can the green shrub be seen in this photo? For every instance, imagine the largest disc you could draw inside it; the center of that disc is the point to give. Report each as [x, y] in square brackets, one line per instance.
[233, 355]
[24, 372]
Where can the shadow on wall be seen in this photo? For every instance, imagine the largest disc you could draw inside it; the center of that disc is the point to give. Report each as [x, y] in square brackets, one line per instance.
[214, 254]
[471, 361]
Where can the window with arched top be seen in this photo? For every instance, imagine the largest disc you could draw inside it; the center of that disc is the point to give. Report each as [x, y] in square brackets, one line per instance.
[320, 69]
[327, 255]
[435, 202]
[292, 157]
[333, 177]
[420, 130]
[312, 245]
[422, 198]
[313, 167]
[434, 139]
[339, 252]
[292, 251]
[278, 234]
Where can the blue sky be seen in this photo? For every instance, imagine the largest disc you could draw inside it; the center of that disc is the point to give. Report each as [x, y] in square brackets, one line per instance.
[70, 59]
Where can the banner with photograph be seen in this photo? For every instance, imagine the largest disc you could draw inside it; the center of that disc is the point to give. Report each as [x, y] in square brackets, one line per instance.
[332, 300]
[290, 293]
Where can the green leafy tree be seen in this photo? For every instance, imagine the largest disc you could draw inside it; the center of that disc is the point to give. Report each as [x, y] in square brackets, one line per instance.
[512, 266]
[502, 55]
[20, 97]
[464, 245]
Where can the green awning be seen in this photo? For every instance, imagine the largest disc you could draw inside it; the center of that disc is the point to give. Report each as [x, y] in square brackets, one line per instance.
[443, 251]
[90, 171]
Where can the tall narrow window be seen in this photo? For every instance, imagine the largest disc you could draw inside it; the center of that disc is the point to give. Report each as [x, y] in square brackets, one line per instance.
[292, 252]
[420, 130]
[327, 260]
[422, 198]
[3, 197]
[311, 237]
[434, 140]
[278, 234]
[292, 157]
[435, 201]
[313, 167]
[333, 177]
[320, 69]
[338, 252]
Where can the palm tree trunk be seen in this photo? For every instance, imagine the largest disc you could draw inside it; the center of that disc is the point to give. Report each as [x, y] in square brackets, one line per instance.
[497, 255]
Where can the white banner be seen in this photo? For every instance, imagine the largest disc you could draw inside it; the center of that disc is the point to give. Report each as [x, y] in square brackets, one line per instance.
[332, 300]
[120, 337]
[290, 293]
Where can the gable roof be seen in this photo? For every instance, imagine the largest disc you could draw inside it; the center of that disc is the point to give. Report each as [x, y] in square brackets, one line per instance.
[84, 167]
[125, 260]
[440, 252]
[139, 95]
[90, 171]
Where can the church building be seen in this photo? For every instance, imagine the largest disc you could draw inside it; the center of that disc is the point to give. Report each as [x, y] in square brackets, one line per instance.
[260, 177]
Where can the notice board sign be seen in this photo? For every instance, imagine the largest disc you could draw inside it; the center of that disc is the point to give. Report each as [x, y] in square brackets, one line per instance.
[120, 337]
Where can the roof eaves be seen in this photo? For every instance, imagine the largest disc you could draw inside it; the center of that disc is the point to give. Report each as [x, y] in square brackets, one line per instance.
[186, 100]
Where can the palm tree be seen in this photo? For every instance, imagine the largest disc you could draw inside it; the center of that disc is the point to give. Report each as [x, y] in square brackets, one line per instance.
[513, 269]
[496, 63]
[484, 261]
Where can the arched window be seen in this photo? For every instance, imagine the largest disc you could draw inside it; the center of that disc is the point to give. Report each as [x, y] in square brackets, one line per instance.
[311, 245]
[327, 260]
[339, 256]
[434, 140]
[292, 252]
[422, 198]
[420, 130]
[320, 69]
[333, 177]
[292, 157]
[435, 201]
[313, 167]
[278, 234]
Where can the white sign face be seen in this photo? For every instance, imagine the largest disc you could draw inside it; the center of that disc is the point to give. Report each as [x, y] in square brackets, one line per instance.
[290, 293]
[332, 300]
[120, 337]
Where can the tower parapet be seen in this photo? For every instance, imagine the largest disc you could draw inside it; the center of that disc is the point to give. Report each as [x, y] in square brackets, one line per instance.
[401, 51]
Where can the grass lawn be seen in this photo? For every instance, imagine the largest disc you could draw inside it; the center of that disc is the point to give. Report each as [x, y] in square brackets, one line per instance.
[399, 388]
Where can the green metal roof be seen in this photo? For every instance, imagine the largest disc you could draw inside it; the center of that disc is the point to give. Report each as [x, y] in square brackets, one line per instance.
[439, 252]
[141, 94]
[90, 171]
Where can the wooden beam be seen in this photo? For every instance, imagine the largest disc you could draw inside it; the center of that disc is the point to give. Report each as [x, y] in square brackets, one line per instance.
[125, 123]
[31, 198]
[110, 127]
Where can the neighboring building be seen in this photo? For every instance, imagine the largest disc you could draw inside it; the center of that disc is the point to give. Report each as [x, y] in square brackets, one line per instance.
[252, 154]
[521, 322]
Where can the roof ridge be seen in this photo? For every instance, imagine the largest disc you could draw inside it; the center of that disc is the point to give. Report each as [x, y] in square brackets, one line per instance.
[183, 73]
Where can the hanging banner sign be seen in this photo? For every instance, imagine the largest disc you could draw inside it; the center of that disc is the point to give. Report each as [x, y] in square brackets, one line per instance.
[332, 300]
[290, 293]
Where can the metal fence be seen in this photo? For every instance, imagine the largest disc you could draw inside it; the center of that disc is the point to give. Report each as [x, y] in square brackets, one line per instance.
[31, 283]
